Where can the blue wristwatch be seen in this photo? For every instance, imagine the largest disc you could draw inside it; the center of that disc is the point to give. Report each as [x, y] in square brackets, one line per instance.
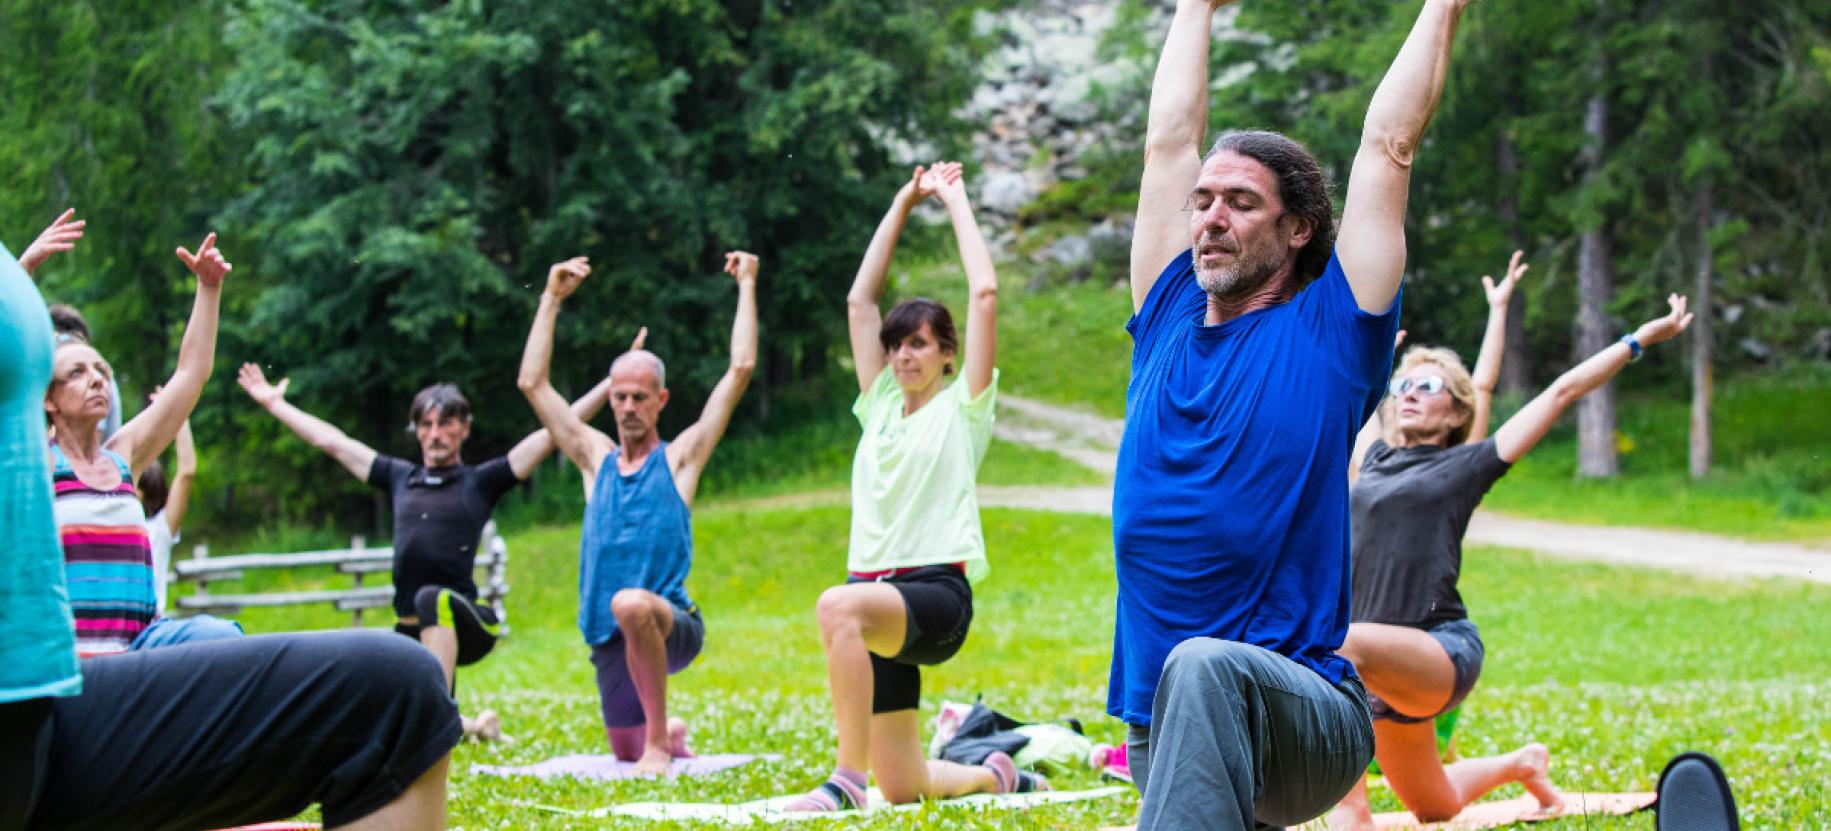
[1633, 347]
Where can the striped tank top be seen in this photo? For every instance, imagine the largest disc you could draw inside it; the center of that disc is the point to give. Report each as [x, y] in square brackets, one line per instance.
[108, 561]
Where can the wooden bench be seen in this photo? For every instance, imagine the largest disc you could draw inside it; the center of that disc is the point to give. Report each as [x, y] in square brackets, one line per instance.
[359, 561]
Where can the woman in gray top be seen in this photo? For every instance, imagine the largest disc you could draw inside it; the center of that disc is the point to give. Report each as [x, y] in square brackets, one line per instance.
[1411, 640]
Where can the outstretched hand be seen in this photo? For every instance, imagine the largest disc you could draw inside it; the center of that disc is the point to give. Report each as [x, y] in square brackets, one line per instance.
[60, 235]
[1667, 327]
[254, 381]
[742, 265]
[208, 263]
[1499, 294]
[641, 339]
[563, 278]
[918, 188]
[947, 180]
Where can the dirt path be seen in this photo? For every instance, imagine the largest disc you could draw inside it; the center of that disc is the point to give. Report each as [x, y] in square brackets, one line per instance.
[1093, 441]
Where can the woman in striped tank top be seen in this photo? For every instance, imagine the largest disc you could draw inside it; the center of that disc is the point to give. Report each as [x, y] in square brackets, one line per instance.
[107, 558]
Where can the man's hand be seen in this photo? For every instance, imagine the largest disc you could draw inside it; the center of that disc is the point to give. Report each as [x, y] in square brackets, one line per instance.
[641, 338]
[60, 235]
[948, 181]
[742, 265]
[208, 263]
[1500, 294]
[563, 278]
[254, 381]
[918, 188]
[1665, 328]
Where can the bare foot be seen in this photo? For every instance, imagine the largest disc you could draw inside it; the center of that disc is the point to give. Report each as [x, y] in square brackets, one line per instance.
[1534, 767]
[655, 762]
[486, 727]
[677, 738]
[1347, 817]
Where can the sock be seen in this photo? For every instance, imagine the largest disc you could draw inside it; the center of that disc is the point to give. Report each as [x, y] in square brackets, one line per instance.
[1010, 779]
[842, 791]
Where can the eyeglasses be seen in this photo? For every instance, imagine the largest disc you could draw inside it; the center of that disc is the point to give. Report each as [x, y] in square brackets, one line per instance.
[1426, 385]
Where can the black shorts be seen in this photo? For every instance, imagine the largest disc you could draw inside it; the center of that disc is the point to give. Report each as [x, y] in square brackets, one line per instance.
[229, 732]
[938, 610]
[474, 625]
[1462, 641]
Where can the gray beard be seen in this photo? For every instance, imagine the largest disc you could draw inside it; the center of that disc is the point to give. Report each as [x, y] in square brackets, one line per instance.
[1244, 277]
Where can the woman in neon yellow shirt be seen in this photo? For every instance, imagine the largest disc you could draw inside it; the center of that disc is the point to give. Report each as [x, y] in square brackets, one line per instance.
[916, 542]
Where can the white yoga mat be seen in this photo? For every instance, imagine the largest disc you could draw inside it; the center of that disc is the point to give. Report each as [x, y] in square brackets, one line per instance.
[769, 810]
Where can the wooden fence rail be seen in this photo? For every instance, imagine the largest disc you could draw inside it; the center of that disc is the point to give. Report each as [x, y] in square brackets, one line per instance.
[359, 561]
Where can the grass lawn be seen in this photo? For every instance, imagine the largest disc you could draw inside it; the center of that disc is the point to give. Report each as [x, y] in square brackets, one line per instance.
[1615, 669]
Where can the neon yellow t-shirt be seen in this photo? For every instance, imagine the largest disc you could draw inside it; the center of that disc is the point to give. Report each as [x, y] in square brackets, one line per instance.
[915, 499]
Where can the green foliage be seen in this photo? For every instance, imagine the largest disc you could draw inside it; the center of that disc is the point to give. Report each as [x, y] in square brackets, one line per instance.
[392, 180]
[107, 110]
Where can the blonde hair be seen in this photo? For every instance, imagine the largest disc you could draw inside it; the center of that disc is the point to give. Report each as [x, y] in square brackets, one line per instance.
[1456, 382]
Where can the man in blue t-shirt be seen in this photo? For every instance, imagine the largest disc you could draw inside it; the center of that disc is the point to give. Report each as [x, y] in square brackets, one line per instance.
[1259, 350]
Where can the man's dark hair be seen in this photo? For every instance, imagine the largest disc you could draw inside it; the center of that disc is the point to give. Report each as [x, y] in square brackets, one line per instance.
[66, 320]
[907, 318]
[153, 488]
[442, 398]
[1301, 186]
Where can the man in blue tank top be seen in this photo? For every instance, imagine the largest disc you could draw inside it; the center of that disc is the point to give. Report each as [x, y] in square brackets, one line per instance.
[1262, 339]
[638, 536]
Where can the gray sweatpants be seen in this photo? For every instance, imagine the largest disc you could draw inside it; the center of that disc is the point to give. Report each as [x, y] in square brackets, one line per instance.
[1242, 737]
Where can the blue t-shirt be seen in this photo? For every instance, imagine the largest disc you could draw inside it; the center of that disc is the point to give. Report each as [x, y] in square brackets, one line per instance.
[638, 535]
[1230, 504]
[37, 634]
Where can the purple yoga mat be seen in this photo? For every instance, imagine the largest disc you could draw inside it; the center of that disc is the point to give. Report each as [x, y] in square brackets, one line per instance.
[607, 767]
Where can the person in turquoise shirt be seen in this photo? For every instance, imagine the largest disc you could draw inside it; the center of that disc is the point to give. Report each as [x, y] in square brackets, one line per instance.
[916, 544]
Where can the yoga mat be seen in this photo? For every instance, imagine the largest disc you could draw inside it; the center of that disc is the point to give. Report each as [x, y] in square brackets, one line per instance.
[1503, 813]
[768, 810]
[608, 768]
[1521, 810]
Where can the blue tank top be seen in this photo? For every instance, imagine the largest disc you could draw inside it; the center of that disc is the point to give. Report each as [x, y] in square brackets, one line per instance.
[638, 535]
[38, 642]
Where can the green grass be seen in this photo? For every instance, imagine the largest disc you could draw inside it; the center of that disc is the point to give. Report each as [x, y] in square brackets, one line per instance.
[1615, 669]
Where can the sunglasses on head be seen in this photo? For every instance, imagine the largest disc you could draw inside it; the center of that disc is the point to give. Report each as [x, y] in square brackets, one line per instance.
[1426, 385]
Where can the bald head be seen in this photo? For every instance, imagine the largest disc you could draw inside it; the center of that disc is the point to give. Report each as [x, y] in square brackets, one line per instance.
[640, 361]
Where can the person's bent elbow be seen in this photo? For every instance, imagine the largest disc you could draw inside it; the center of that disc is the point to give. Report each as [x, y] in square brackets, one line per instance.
[530, 382]
[1396, 147]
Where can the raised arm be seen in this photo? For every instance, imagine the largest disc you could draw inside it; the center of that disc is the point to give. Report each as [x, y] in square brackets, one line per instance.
[178, 493]
[1524, 430]
[583, 445]
[1177, 122]
[149, 433]
[981, 279]
[531, 451]
[693, 447]
[1374, 428]
[863, 318]
[60, 235]
[1371, 241]
[355, 456]
[1493, 344]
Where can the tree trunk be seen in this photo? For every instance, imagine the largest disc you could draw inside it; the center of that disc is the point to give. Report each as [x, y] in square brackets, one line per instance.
[1596, 412]
[1702, 375]
[1515, 371]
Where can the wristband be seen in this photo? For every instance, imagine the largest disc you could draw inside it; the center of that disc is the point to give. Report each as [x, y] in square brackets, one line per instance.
[1633, 347]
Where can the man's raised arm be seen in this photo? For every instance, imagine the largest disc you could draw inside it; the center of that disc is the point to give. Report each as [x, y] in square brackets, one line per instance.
[531, 451]
[1371, 242]
[355, 456]
[1172, 145]
[583, 445]
[697, 442]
